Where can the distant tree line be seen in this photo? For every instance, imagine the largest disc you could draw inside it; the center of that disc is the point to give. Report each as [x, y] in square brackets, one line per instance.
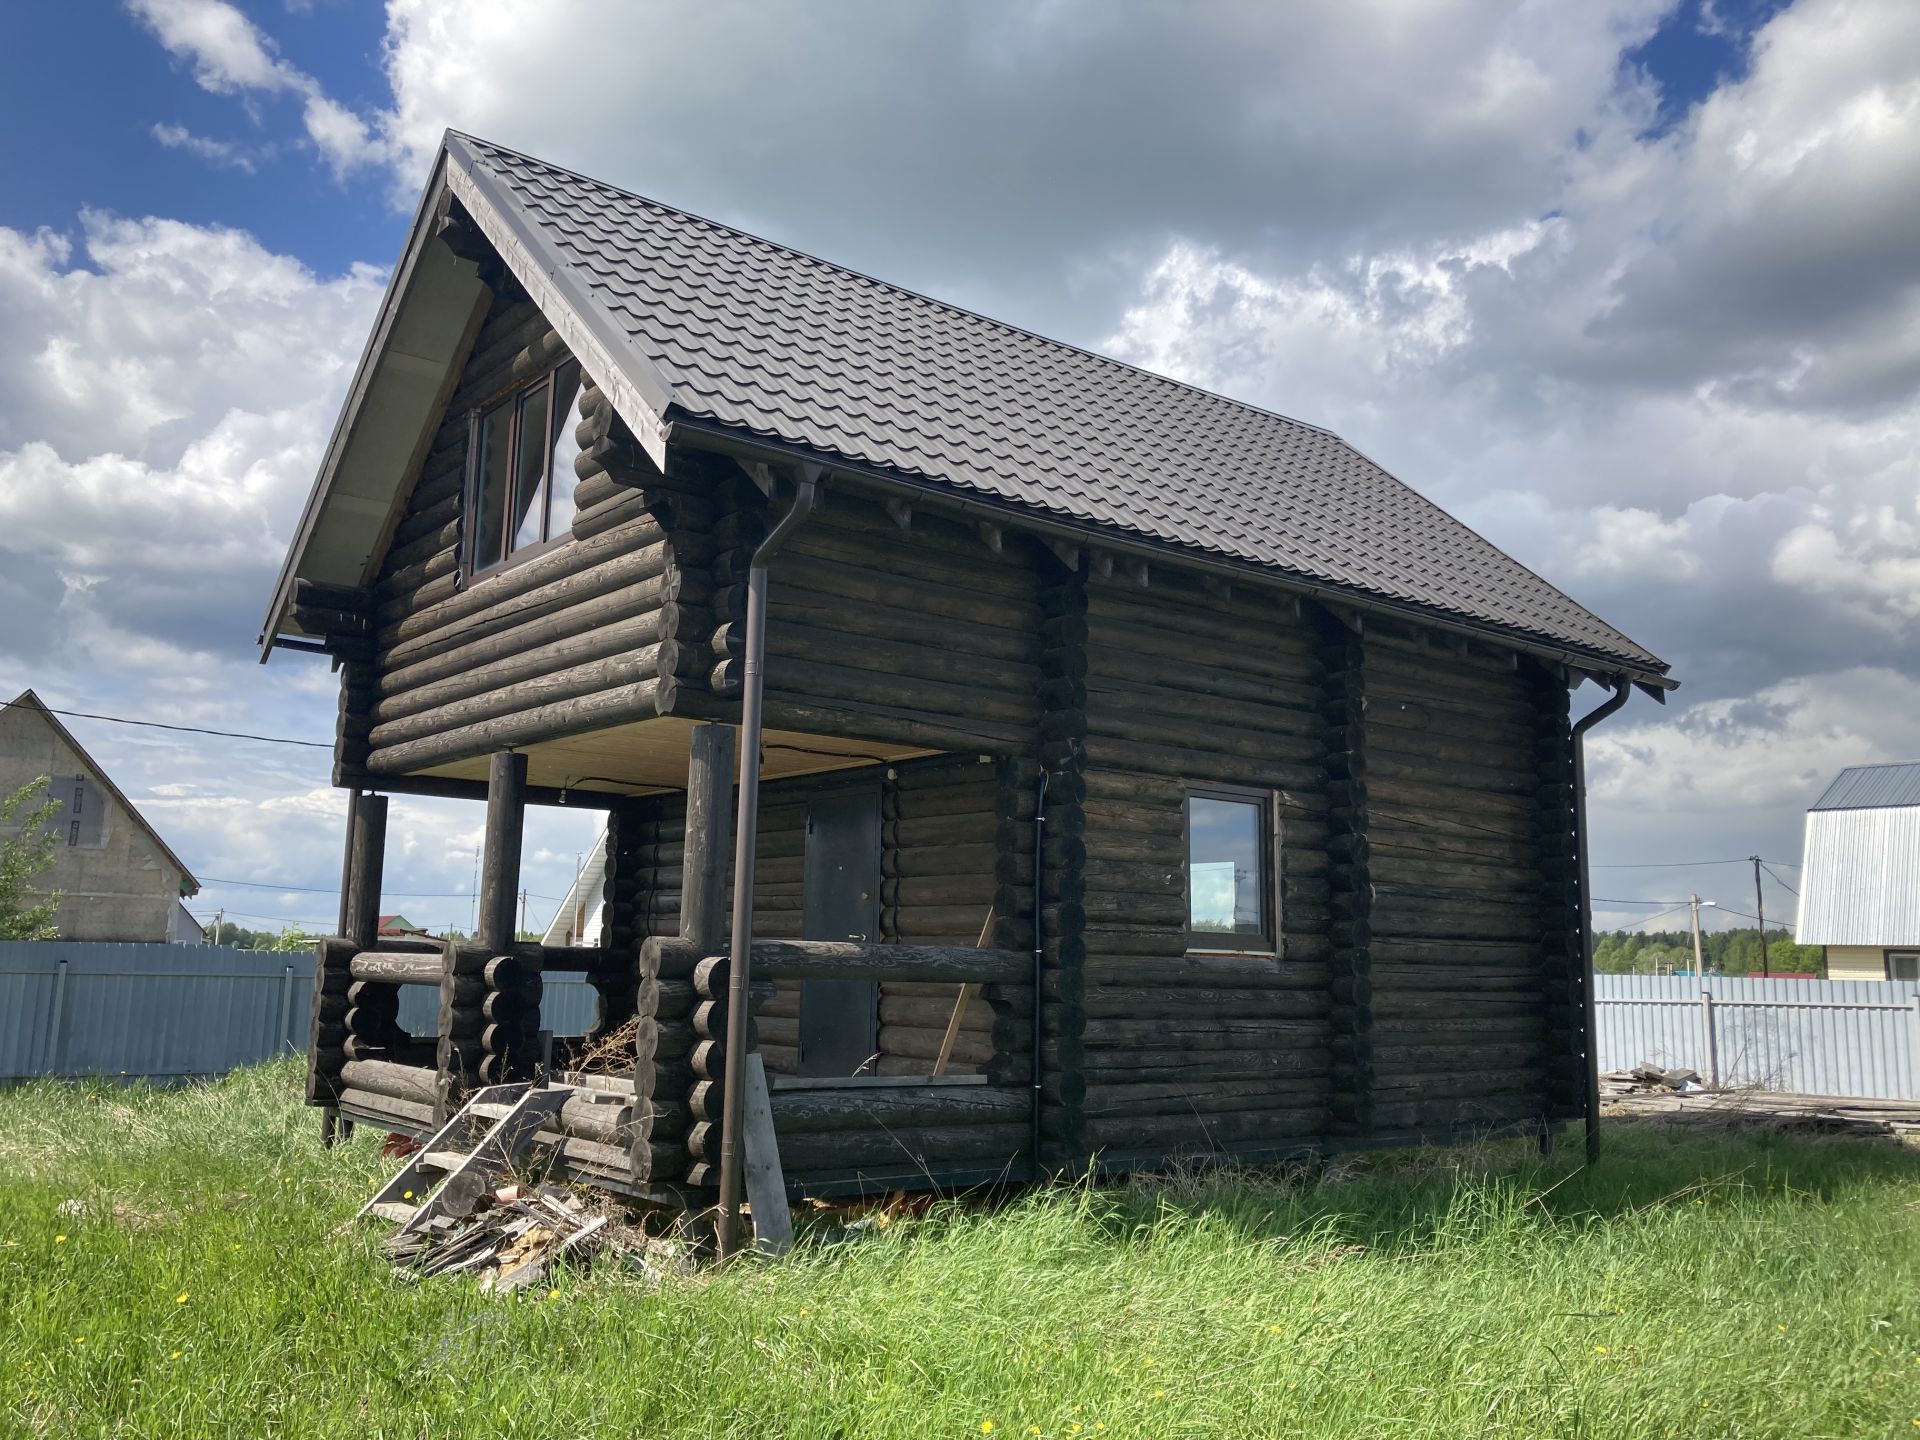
[1727, 952]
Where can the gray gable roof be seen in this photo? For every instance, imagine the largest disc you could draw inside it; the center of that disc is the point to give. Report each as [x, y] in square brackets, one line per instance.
[1872, 787]
[689, 323]
[755, 336]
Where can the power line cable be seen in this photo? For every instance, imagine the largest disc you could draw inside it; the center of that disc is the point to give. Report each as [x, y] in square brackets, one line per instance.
[1764, 865]
[387, 894]
[183, 729]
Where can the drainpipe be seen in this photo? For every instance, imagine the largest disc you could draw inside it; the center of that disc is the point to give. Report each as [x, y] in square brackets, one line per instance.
[1039, 950]
[1623, 688]
[745, 845]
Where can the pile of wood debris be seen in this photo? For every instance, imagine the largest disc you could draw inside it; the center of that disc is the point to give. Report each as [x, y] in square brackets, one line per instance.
[517, 1235]
[1646, 1079]
[1677, 1097]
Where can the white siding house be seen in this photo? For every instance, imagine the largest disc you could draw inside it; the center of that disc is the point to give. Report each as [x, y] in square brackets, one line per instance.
[1860, 882]
[577, 921]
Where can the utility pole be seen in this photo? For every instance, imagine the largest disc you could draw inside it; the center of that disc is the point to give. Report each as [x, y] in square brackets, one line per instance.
[523, 912]
[1699, 963]
[219, 916]
[1760, 914]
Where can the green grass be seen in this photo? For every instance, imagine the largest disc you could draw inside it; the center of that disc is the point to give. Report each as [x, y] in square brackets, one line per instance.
[1741, 1286]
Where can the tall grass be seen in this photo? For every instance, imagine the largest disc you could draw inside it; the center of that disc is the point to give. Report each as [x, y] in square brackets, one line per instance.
[1736, 1286]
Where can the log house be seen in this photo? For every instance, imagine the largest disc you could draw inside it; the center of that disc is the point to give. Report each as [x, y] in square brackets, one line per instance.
[1042, 764]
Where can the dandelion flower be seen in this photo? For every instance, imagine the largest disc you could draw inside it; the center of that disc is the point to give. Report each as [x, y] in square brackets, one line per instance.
[1159, 1394]
[1781, 1328]
[174, 1355]
[986, 1427]
[12, 1243]
[181, 1298]
[79, 1339]
[59, 1239]
[1599, 1349]
[406, 1195]
[1276, 1330]
[804, 1312]
[1033, 1429]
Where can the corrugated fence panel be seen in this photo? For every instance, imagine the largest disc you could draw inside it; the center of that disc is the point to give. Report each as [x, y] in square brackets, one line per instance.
[180, 1012]
[147, 1012]
[1856, 1038]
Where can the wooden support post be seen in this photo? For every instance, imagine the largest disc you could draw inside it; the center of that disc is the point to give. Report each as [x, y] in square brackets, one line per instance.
[500, 865]
[709, 838]
[366, 862]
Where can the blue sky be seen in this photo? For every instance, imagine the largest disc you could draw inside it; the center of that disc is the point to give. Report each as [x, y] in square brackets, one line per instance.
[1627, 285]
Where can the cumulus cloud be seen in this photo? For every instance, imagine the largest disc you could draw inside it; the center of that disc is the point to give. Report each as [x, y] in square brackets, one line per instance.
[163, 400]
[230, 55]
[220, 153]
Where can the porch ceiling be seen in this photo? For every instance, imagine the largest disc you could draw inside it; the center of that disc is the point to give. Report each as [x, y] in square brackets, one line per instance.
[648, 756]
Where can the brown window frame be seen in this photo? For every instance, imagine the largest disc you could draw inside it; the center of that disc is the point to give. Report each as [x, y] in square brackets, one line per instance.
[472, 491]
[1217, 942]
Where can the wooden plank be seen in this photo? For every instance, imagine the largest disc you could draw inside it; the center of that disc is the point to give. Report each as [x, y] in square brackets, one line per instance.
[766, 1186]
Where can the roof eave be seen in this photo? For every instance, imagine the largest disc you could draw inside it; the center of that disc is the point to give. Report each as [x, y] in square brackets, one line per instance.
[704, 433]
[418, 234]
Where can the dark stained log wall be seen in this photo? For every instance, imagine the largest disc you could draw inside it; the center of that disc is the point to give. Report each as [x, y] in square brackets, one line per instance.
[1189, 1053]
[592, 633]
[956, 847]
[927, 637]
[1461, 1033]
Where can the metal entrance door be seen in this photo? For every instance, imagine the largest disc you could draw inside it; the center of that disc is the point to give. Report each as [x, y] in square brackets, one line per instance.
[839, 1019]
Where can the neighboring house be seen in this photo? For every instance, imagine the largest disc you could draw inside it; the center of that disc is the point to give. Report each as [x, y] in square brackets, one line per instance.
[398, 927]
[1239, 775]
[1860, 881]
[577, 921]
[116, 877]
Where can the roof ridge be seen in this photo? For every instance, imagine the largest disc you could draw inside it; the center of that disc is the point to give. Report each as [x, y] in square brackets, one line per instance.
[912, 293]
[1880, 765]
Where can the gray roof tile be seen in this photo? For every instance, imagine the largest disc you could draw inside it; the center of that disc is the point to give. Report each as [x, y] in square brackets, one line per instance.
[751, 334]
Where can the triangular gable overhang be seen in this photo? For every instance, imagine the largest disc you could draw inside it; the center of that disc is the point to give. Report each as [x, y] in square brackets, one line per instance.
[427, 319]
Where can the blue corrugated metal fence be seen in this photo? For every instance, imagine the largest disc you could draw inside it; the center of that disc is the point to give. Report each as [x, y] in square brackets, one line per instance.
[177, 1012]
[1858, 1038]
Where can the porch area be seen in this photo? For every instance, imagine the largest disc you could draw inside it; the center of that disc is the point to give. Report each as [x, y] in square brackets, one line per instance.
[890, 997]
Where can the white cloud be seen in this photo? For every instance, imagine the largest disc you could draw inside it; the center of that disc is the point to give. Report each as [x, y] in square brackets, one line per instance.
[229, 54]
[221, 153]
[232, 56]
[162, 409]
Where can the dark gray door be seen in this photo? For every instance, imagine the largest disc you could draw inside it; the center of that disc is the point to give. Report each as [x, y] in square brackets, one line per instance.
[839, 1019]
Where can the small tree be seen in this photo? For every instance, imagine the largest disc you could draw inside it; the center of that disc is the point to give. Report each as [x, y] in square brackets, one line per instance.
[24, 855]
[292, 939]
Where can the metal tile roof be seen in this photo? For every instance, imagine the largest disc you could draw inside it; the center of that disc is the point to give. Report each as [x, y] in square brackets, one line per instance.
[1870, 787]
[748, 334]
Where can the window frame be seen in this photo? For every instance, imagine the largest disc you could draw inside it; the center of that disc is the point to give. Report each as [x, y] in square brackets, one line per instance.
[516, 396]
[1889, 956]
[1209, 942]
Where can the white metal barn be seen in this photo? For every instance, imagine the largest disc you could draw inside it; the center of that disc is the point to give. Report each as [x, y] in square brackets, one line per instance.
[1860, 889]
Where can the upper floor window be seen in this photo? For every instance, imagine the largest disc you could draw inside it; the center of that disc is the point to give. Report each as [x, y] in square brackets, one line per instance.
[1229, 870]
[521, 481]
